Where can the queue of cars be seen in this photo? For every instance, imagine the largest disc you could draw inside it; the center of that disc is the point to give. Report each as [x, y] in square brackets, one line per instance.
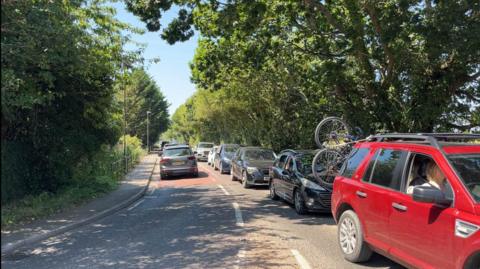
[382, 200]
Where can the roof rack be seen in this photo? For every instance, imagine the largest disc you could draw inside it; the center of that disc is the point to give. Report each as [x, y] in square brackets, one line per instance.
[429, 138]
[288, 150]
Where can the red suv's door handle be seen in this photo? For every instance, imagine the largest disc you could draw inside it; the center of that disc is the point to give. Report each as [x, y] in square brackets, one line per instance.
[399, 206]
[361, 194]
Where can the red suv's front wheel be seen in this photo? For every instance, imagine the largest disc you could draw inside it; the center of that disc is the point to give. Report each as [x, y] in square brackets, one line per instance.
[350, 238]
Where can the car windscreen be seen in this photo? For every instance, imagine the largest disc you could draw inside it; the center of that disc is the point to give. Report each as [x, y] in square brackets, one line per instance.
[205, 145]
[228, 151]
[177, 152]
[304, 163]
[260, 155]
[468, 169]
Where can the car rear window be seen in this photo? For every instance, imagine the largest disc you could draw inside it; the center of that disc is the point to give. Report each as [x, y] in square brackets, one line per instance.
[176, 152]
[354, 160]
[205, 145]
[260, 155]
[386, 168]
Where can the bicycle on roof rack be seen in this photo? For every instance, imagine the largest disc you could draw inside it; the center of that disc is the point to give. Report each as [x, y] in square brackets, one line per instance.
[335, 139]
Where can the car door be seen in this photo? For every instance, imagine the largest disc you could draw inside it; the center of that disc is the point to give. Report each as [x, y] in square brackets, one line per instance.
[289, 178]
[383, 175]
[278, 173]
[237, 164]
[423, 234]
[218, 156]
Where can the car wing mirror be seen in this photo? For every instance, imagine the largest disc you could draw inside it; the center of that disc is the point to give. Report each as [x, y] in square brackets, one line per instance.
[427, 194]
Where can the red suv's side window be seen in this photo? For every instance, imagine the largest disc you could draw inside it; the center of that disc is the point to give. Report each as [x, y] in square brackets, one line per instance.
[387, 168]
[354, 160]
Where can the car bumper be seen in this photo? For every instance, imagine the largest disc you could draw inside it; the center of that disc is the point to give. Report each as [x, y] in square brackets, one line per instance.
[316, 200]
[258, 179]
[170, 171]
[201, 158]
[225, 166]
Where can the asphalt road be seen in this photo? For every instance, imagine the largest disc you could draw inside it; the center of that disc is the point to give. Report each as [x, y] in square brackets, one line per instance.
[204, 222]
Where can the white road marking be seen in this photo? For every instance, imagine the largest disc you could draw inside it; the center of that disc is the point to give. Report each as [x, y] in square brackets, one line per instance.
[135, 205]
[240, 255]
[238, 214]
[300, 259]
[151, 191]
[223, 189]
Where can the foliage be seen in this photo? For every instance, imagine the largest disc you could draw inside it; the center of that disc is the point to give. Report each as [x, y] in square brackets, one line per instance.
[91, 178]
[394, 65]
[60, 62]
[142, 95]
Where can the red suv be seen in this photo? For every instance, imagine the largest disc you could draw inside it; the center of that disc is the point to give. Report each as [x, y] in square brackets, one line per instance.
[384, 200]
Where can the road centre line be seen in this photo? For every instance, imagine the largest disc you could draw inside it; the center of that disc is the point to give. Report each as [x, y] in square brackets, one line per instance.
[238, 214]
[223, 189]
[135, 205]
[300, 259]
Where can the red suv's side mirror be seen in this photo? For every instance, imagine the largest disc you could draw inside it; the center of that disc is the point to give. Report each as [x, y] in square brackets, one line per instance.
[427, 194]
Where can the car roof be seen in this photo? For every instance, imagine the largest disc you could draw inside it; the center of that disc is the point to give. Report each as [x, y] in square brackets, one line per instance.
[237, 145]
[299, 151]
[177, 146]
[253, 148]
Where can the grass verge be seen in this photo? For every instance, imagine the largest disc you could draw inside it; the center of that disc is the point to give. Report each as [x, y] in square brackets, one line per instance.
[45, 204]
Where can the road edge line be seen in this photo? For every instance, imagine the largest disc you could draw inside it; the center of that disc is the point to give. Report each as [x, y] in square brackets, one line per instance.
[300, 259]
[223, 189]
[11, 247]
[238, 214]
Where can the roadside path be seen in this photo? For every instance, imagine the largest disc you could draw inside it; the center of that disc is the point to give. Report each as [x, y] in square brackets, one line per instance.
[136, 180]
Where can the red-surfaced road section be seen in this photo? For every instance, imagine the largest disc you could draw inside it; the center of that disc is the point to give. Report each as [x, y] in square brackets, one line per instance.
[204, 178]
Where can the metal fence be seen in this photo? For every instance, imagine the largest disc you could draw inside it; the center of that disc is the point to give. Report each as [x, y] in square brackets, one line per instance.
[117, 168]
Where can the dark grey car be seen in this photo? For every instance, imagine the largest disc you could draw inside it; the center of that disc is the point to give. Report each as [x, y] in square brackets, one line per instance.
[178, 160]
[223, 157]
[251, 166]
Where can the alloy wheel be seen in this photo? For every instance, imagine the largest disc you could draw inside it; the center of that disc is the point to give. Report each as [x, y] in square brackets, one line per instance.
[348, 236]
[298, 201]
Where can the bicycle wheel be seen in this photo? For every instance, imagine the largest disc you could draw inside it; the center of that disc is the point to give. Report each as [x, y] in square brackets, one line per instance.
[331, 131]
[325, 166]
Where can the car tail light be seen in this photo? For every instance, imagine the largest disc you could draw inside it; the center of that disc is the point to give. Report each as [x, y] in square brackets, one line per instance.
[164, 160]
[191, 157]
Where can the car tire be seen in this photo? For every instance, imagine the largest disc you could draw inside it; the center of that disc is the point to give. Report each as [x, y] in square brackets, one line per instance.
[273, 194]
[163, 176]
[221, 169]
[195, 174]
[299, 203]
[232, 177]
[215, 167]
[244, 180]
[349, 227]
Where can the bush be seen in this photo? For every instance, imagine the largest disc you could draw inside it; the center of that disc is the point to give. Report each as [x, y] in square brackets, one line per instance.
[92, 177]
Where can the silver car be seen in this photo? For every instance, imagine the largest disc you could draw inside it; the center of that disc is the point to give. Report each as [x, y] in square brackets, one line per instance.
[178, 160]
[202, 150]
[211, 155]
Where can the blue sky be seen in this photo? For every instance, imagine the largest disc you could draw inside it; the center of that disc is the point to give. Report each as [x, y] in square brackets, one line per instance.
[172, 73]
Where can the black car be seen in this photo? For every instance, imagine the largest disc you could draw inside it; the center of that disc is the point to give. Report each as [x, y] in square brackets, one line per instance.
[223, 157]
[293, 181]
[251, 166]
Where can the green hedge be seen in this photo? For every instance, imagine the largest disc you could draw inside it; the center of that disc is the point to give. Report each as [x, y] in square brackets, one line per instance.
[92, 177]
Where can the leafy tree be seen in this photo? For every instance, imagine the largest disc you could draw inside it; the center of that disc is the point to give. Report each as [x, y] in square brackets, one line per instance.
[144, 95]
[59, 60]
[394, 65]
